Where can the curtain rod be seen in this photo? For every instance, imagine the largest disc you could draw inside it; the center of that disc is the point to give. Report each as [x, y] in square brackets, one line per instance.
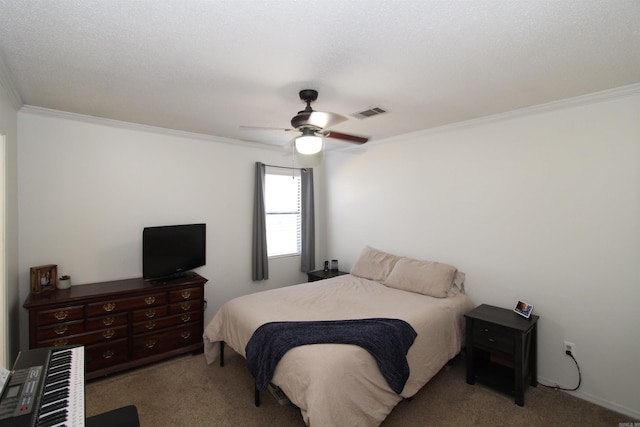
[285, 167]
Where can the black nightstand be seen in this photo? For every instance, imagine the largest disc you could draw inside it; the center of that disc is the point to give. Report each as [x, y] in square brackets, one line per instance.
[501, 349]
[321, 275]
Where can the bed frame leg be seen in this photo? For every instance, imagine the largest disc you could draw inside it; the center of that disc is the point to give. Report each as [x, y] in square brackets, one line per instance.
[256, 396]
[221, 353]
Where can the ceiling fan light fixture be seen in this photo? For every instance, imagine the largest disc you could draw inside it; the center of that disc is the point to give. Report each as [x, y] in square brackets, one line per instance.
[308, 143]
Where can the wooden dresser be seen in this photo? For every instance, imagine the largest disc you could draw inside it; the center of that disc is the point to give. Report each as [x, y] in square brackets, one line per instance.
[122, 323]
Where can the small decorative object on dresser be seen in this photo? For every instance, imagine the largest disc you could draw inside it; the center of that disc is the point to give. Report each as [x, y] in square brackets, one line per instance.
[64, 282]
[43, 278]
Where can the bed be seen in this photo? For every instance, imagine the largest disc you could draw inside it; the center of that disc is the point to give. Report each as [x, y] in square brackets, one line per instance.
[341, 384]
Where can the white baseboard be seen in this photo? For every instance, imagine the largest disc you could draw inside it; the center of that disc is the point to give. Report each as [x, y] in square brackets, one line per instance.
[633, 413]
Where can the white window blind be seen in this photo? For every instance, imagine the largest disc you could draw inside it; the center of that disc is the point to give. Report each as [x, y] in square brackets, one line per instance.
[282, 206]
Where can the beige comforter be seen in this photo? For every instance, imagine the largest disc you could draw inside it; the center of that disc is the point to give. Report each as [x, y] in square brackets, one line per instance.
[338, 384]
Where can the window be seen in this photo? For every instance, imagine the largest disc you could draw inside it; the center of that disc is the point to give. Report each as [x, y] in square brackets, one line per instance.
[283, 215]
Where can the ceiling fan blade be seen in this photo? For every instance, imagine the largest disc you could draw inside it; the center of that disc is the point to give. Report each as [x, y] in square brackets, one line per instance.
[345, 137]
[266, 128]
[317, 119]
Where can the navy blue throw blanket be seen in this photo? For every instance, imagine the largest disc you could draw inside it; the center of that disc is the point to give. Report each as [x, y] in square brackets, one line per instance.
[387, 340]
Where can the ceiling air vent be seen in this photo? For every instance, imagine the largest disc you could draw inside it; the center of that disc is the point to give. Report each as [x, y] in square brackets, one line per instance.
[365, 114]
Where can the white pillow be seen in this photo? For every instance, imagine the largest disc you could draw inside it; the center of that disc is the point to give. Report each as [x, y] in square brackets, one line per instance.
[424, 277]
[374, 264]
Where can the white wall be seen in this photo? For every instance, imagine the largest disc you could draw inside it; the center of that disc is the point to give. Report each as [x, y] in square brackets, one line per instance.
[543, 207]
[87, 189]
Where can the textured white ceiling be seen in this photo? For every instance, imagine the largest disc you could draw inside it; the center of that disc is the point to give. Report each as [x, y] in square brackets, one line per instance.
[213, 66]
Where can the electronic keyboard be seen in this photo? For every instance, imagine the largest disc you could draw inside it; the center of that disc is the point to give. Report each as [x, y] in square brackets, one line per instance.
[45, 389]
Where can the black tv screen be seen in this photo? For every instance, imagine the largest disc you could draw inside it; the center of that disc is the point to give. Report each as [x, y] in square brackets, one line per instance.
[171, 250]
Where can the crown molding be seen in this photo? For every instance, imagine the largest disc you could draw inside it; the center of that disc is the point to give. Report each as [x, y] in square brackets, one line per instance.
[47, 112]
[606, 95]
[591, 98]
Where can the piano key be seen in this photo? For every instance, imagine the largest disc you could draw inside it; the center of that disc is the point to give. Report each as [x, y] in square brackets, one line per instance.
[54, 396]
[54, 417]
[52, 407]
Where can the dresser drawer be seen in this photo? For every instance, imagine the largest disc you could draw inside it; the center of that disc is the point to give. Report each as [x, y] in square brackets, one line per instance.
[150, 313]
[185, 294]
[61, 330]
[493, 337]
[111, 321]
[165, 322]
[108, 334]
[98, 356]
[57, 315]
[167, 339]
[125, 304]
[185, 306]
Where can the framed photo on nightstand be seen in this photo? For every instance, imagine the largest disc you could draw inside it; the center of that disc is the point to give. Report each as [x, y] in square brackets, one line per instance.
[523, 309]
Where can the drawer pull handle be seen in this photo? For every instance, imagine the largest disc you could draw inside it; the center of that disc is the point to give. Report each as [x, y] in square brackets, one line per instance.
[107, 354]
[185, 306]
[150, 324]
[108, 321]
[109, 333]
[110, 306]
[150, 343]
[186, 294]
[61, 315]
[61, 329]
[150, 314]
[185, 334]
[58, 343]
[491, 340]
[150, 300]
[186, 317]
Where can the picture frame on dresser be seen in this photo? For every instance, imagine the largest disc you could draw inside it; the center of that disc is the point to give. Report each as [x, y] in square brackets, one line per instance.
[43, 278]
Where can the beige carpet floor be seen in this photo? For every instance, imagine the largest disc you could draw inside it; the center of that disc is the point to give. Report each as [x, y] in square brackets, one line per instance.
[185, 391]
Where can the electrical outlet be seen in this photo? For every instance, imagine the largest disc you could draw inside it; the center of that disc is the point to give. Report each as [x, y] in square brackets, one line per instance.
[569, 346]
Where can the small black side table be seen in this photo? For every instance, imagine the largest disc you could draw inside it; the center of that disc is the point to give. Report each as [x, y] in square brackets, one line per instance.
[321, 275]
[501, 349]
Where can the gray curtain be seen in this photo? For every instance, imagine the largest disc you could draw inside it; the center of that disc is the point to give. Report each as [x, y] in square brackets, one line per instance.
[308, 224]
[259, 258]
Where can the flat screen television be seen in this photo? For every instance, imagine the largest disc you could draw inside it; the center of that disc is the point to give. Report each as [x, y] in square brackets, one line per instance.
[169, 251]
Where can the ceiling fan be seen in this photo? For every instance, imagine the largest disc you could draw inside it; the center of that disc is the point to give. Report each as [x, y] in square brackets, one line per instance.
[313, 126]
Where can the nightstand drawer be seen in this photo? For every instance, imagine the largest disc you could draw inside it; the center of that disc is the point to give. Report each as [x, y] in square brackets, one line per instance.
[493, 337]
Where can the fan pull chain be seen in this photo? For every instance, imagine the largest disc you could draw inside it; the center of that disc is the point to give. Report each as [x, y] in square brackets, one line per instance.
[293, 160]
